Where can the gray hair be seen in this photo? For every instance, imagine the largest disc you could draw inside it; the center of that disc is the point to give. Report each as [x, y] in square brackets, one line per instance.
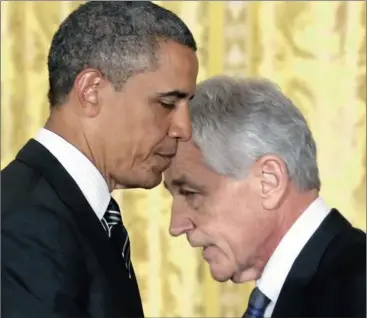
[237, 121]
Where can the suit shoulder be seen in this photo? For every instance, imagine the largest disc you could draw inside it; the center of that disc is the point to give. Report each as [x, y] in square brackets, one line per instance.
[18, 183]
[16, 169]
[345, 255]
[341, 274]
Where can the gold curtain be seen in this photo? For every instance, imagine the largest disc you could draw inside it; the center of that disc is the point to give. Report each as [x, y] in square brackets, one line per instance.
[316, 52]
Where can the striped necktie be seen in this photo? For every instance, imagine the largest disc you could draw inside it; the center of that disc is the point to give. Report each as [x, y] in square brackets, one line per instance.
[112, 223]
[256, 305]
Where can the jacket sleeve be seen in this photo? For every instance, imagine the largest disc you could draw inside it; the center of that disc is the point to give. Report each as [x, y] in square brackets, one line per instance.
[42, 266]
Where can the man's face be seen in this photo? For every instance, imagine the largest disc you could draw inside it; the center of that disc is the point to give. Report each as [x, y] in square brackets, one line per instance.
[219, 214]
[141, 124]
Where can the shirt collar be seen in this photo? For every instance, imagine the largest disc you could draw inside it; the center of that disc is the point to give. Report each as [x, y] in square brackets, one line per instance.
[282, 259]
[81, 169]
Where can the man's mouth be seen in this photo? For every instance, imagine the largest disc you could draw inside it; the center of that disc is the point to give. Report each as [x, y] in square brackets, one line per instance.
[165, 159]
[168, 155]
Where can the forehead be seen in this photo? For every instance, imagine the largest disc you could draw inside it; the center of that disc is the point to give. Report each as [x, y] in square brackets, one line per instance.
[173, 57]
[178, 66]
[188, 167]
[176, 71]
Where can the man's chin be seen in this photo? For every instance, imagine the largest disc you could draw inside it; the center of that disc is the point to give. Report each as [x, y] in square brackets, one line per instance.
[152, 181]
[236, 279]
[220, 276]
[147, 181]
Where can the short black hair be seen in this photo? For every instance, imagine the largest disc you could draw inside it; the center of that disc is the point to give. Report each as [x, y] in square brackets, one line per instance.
[119, 38]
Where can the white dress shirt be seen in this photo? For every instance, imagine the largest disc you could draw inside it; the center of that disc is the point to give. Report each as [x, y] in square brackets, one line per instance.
[85, 174]
[281, 261]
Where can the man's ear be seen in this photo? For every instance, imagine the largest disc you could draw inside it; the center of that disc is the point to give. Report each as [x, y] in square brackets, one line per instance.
[87, 88]
[274, 181]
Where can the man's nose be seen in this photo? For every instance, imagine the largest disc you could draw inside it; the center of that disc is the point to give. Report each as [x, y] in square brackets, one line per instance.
[179, 226]
[181, 123]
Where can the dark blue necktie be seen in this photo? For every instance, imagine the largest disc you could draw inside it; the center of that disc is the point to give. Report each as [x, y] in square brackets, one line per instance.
[256, 305]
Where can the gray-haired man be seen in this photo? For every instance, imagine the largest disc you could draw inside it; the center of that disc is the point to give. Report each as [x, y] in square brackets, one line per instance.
[246, 190]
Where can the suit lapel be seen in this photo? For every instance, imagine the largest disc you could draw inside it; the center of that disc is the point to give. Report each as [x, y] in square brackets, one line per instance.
[37, 156]
[305, 266]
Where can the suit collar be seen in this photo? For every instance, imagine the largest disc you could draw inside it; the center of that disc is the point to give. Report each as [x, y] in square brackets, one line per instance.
[39, 158]
[307, 263]
[288, 249]
[81, 169]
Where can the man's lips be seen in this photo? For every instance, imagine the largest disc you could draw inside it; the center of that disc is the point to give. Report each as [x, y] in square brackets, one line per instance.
[165, 159]
[197, 244]
[167, 155]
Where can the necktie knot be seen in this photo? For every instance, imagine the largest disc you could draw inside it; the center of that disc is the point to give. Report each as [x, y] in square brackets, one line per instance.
[257, 304]
[113, 205]
[113, 215]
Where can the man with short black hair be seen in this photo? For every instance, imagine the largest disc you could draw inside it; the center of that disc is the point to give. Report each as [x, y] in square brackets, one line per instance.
[121, 75]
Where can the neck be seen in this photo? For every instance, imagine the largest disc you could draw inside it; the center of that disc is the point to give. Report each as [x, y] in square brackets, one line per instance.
[62, 123]
[287, 214]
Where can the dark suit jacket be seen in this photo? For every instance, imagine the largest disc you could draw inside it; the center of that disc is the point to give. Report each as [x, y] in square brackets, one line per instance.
[56, 257]
[328, 279]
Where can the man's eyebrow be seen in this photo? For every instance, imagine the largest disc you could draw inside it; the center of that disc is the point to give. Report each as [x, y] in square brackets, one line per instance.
[176, 93]
[182, 181]
[175, 183]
